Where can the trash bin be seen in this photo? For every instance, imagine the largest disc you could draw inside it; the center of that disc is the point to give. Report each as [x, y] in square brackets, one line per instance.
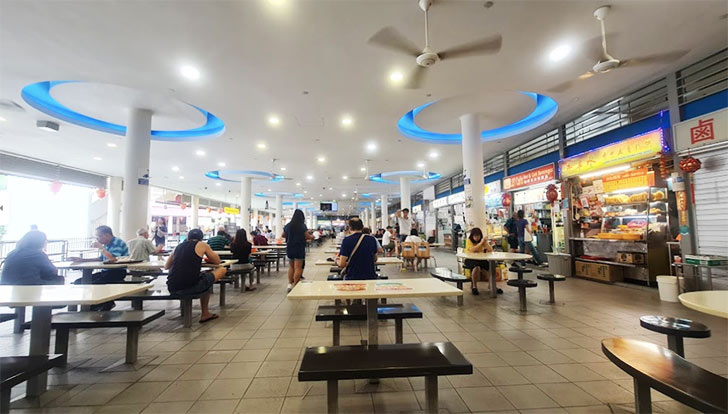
[668, 288]
[559, 263]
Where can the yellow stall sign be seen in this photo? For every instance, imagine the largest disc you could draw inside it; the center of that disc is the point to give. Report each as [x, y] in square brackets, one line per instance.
[632, 149]
[232, 210]
[640, 177]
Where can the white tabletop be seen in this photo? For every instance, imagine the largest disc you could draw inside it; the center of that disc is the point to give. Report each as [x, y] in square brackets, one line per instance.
[155, 264]
[332, 251]
[372, 289]
[712, 302]
[59, 295]
[159, 264]
[437, 244]
[380, 261]
[497, 256]
[271, 246]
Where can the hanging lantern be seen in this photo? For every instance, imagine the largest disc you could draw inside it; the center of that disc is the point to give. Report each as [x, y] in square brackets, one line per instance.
[209, 210]
[690, 164]
[219, 210]
[183, 206]
[178, 198]
[506, 199]
[55, 187]
[100, 193]
[551, 193]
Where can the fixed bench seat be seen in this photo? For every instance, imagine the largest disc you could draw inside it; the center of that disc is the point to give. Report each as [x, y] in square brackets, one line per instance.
[447, 275]
[138, 299]
[428, 360]
[337, 314]
[18, 369]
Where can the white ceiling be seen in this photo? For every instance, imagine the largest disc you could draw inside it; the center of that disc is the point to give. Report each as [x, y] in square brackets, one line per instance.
[257, 59]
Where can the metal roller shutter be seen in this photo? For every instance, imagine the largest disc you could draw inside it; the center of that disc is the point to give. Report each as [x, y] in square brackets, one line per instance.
[711, 202]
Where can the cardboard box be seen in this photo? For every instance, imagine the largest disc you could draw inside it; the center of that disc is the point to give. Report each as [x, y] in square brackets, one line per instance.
[631, 257]
[599, 271]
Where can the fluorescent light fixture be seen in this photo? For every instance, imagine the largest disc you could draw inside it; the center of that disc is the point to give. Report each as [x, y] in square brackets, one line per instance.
[305, 192]
[111, 144]
[200, 153]
[396, 76]
[347, 121]
[220, 164]
[274, 120]
[175, 168]
[98, 158]
[321, 195]
[262, 146]
[433, 154]
[270, 189]
[190, 72]
[605, 172]
[559, 53]
[331, 188]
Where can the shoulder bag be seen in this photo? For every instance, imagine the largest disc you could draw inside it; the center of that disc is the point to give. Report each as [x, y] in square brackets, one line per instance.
[345, 270]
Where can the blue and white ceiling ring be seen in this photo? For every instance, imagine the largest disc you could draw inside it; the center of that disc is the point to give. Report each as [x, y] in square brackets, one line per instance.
[382, 177]
[39, 97]
[273, 194]
[298, 203]
[217, 175]
[545, 109]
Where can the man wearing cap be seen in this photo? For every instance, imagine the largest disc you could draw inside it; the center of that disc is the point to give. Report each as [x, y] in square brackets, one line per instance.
[185, 276]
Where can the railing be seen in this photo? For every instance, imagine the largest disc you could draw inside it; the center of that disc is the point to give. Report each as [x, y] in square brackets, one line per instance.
[55, 249]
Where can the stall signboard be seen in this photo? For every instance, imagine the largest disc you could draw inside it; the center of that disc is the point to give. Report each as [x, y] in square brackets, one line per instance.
[492, 187]
[416, 209]
[231, 210]
[532, 195]
[640, 177]
[456, 198]
[637, 148]
[440, 202]
[531, 177]
[704, 130]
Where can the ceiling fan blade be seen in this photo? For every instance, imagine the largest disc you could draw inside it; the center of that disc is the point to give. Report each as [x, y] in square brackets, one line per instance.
[562, 87]
[415, 78]
[488, 45]
[390, 38]
[655, 59]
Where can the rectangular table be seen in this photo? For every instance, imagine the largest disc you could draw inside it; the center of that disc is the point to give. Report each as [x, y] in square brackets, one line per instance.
[382, 261]
[493, 258]
[42, 298]
[371, 291]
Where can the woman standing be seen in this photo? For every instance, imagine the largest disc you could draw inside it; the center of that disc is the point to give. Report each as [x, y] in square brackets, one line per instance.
[525, 238]
[296, 234]
[476, 243]
[160, 234]
[28, 263]
[240, 248]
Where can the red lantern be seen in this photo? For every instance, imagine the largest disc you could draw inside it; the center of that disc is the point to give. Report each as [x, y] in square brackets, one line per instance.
[209, 209]
[100, 193]
[183, 206]
[690, 164]
[55, 187]
[551, 193]
[219, 210]
[506, 199]
[178, 198]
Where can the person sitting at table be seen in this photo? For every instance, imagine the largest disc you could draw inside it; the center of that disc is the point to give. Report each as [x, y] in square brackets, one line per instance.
[259, 239]
[240, 248]
[221, 232]
[141, 247]
[476, 243]
[358, 253]
[185, 276]
[218, 242]
[367, 230]
[269, 235]
[111, 249]
[388, 241]
[28, 264]
[414, 237]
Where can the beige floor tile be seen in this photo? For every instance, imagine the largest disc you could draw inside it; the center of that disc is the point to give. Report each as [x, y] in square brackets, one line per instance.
[121, 409]
[276, 369]
[216, 357]
[268, 387]
[583, 355]
[199, 346]
[395, 402]
[567, 394]
[550, 356]
[183, 357]
[202, 371]
[384, 385]
[526, 397]
[487, 359]
[175, 407]
[227, 389]
[260, 405]
[184, 391]
[251, 355]
[576, 372]
[141, 392]
[503, 376]
[97, 394]
[231, 344]
[540, 374]
[315, 404]
[590, 409]
[484, 399]
[608, 370]
[214, 406]
[284, 354]
[607, 392]
[240, 370]
[552, 410]
[449, 400]
[516, 358]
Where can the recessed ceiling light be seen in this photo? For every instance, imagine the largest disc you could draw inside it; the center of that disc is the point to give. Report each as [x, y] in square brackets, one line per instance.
[420, 164]
[2, 119]
[362, 169]
[298, 184]
[181, 177]
[305, 192]
[190, 72]
[175, 168]
[220, 164]
[111, 144]
[321, 195]
[98, 158]
[283, 168]
[344, 177]
[347, 121]
[274, 120]
[559, 53]
[309, 177]
[434, 154]
[396, 76]
[262, 146]
[218, 184]
[343, 194]
[270, 189]
[331, 188]
[200, 153]
[321, 158]
[371, 147]
[355, 192]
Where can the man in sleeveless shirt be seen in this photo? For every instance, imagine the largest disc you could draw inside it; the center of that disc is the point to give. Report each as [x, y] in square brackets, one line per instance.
[185, 276]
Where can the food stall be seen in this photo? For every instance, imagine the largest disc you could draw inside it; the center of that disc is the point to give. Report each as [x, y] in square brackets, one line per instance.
[619, 210]
[497, 213]
[531, 197]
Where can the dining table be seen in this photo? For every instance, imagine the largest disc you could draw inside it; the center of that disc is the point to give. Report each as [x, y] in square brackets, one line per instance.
[43, 298]
[371, 291]
[493, 258]
[381, 261]
[712, 302]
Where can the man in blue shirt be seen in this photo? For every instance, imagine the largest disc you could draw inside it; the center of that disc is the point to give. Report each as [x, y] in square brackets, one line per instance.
[360, 262]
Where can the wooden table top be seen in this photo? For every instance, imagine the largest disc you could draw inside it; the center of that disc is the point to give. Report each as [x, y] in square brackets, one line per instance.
[497, 256]
[60, 295]
[712, 302]
[372, 289]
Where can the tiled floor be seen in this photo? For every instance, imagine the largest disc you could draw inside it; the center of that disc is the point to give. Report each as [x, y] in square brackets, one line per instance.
[547, 361]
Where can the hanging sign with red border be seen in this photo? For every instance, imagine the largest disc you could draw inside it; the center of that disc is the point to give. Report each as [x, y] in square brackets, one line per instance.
[531, 177]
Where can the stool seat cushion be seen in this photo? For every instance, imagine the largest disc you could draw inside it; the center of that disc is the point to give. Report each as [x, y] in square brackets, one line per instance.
[520, 269]
[522, 282]
[674, 326]
[549, 276]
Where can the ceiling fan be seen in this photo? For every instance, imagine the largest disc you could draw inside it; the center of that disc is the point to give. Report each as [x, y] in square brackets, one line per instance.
[276, 176]
[391, 38]
[606, 62]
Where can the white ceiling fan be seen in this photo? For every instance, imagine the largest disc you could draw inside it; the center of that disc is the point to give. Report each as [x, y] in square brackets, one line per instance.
[391, 38]
[274, 174]
[606, 62]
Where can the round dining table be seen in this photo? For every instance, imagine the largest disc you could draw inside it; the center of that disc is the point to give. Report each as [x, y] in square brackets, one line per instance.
[712, 302]
[493, 258]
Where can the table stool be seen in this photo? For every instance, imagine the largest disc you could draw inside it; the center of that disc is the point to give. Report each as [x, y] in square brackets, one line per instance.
[522, 285]
[551, 279]
[520, 270]
[676, 329]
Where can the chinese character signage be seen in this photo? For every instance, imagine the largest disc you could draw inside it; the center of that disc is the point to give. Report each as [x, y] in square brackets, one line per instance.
[704, 130]
[640, 177]
[493, 187]
[531, 177]
[633, 149]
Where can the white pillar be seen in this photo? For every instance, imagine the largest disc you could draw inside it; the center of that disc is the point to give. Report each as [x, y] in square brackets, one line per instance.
[195, 212]
[374, 216]
[365, 217]
[385, 213]
[404, 193]
[295, 205]
[246, 184]
[278, 228]
[473, 173]
[135, 197]
[315, 221]
[113, 206]
[255, 218]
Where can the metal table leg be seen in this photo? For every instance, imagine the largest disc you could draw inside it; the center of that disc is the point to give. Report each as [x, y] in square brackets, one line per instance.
[491, 273]
[332, 396]
[431, 394]
[460, 297]
[40, 340]
[372, 319]
[642, 398]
